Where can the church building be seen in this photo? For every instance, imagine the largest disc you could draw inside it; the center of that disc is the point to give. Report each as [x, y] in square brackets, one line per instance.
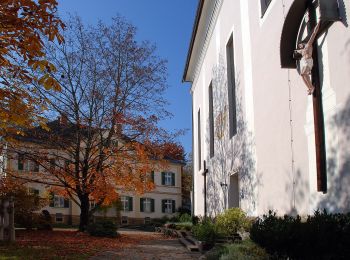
[262, 138]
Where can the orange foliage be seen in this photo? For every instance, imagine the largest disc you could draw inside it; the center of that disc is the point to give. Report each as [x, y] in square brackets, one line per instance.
[68, 244]
[23, 23]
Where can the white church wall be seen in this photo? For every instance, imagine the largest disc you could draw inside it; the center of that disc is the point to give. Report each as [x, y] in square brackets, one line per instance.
[277, 167]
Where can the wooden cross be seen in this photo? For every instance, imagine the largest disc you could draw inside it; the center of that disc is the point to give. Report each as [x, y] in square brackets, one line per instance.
[329, 13]
[205, 171]
[321, 163]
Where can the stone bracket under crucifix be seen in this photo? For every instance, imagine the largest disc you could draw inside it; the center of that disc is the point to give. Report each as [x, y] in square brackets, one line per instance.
[299, 51]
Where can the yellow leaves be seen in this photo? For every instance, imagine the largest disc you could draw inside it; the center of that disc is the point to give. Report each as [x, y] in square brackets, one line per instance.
[49, 83]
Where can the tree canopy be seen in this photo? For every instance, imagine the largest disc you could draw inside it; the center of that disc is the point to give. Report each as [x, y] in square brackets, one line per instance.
[25, 26]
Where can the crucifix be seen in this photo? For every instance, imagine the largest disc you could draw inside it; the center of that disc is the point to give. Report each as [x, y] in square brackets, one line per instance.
[302, 54]
[205, 171]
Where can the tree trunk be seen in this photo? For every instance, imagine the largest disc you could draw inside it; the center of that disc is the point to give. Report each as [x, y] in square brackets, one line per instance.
[84, 212]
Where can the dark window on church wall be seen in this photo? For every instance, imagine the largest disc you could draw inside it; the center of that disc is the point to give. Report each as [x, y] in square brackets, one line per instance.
[231, 85]
[199, 140]
[264, 5]
[211, 120]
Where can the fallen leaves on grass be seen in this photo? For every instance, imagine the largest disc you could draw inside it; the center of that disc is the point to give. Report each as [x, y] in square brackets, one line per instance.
[66, 244]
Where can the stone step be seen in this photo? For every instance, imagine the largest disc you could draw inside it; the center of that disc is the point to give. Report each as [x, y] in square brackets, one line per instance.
[188, 244]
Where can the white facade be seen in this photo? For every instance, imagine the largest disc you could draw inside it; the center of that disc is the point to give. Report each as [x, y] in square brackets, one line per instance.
[270, 163]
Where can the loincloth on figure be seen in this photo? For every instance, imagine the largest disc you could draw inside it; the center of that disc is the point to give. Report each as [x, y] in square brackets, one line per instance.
[306, 66]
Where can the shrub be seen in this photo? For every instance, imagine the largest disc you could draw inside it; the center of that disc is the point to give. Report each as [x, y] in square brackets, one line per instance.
[44, 221]
[232, 221]
[195, 220]
[322, 236]
[185, 218]
[103, 228]
[244, 251]
[205, 231]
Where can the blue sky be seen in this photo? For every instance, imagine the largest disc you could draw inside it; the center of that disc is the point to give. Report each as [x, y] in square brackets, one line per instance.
[168, 24]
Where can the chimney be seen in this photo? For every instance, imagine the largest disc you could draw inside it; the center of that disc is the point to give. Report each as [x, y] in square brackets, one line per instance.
[63, 119]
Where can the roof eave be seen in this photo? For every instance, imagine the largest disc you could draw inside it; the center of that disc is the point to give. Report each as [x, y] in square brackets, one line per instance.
[193, 37]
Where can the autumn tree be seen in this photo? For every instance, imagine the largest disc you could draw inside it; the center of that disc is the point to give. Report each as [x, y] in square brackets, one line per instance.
[187, 181]
[111, 101]
[24, 27]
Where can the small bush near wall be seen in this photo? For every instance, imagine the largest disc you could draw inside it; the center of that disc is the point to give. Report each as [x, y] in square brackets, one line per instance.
[232, 221]
[185, 218]
[103, 228]
[205, 231]
[246, 250]
[322, 236]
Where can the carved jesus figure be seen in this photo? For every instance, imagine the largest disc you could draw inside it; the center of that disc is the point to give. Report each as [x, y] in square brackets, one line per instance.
[305, 50]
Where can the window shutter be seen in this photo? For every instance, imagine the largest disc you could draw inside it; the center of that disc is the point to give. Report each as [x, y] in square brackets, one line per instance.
[130, 203]
[20, 162]
[173, 206]
[163, 206]
[152, 176]
[173, 179]
[163, 178]
[51, 198]
[36, 167]
[152, 205]
[141, 204]
[66, 203]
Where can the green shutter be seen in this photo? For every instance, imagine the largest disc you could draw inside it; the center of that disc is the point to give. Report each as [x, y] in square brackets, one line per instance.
[173, 179]
[20, 162]
[163, 206]
[163, 178]
[152, 176]
[51, 199]
[152, 205]
[36, 167]
[66, 203]
[174, 206]
[141, 204]
[130, 203]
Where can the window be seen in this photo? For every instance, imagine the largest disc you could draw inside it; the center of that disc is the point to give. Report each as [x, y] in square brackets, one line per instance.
[168, 178]
[168, 206]
[147, 220]
[26, 165]
[231, 85]
[264, 5]
[211, 120]
[92, 204]
[33, 191]
[58, 201]
[59, 217]
[147, 205]
[124, 220]
[126, 203]
[199, 141]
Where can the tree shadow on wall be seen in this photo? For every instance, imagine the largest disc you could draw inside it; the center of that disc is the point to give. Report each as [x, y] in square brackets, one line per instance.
[337, 198]
[231, 156]
[297, 187]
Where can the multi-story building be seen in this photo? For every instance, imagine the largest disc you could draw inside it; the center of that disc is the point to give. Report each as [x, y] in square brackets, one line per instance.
[260, 142]
[132, 209]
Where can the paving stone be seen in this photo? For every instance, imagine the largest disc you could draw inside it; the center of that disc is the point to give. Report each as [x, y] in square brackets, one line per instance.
[156, 249]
